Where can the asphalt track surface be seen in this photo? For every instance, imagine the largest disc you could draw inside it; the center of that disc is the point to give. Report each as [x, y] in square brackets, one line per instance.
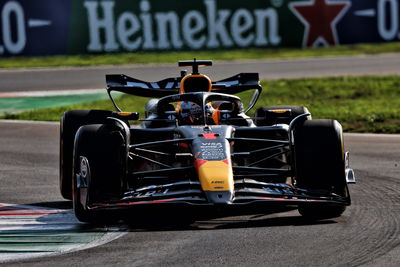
[93, 77]
[368, 234]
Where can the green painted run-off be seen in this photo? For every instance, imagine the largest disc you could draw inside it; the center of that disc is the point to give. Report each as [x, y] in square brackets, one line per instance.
[15, 104]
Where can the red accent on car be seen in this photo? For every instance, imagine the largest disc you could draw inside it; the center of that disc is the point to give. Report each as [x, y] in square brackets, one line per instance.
[291, 199]
[210, 135]
[132, 203]
[184, 145]
[199, 162]
[227, 161]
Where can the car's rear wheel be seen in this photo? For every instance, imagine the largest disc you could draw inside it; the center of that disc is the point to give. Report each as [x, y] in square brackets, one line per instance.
[70, 123]
[99, 167]
[320, 165]
[266, 116]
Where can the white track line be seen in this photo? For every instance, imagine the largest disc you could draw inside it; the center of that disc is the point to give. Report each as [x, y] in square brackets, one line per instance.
[21, 226]
[30, 122]
[51, 93]
[372, 135]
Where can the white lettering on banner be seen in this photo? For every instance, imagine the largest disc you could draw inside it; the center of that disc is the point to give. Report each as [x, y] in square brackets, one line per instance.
[147, 25]
[216, 28]
[242, 21]
[11, 10]
[163, 20]
[193, 23]
[128, 24]
[96, 24]
[263, 16]
[388, 28]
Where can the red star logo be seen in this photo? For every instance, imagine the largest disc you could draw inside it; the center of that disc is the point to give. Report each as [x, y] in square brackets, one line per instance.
[319, 18]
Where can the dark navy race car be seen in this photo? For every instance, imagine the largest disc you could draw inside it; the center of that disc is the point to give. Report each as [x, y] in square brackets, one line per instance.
[197, 146]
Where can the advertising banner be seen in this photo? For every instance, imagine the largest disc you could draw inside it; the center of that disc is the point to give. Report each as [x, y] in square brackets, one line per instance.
[48, 27]
[34, 27]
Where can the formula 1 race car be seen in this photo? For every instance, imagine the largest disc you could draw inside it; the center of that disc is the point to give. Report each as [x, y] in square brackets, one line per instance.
[197, 147]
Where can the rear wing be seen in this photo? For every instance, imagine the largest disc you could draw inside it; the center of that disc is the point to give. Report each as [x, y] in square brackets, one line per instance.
[170, 86]
[132, 86]
[125, 84]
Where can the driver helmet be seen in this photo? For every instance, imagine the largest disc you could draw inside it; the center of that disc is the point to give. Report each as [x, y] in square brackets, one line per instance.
[190, 112]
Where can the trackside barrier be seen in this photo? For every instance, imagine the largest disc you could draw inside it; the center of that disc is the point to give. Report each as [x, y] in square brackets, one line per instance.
[51, 27]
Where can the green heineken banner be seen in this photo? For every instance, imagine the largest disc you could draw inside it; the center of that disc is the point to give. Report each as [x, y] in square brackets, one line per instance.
[48, 27]
[182, 24]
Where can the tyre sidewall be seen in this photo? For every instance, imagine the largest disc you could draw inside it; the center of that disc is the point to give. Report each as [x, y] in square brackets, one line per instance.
[320, 165]
[69, 125]
[103, 147]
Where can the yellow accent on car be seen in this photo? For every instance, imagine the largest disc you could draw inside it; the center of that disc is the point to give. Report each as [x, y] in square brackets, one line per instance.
[124, 114]
[216, 176]
[280, 111]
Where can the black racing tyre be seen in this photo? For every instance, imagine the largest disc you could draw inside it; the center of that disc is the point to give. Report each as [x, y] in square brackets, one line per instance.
[82, 148]
[320, 164]
[101, 147]
[265, 118]
[69, 125]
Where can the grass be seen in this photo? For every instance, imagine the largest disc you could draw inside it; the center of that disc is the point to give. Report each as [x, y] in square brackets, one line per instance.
[172, 57]
[361, 104]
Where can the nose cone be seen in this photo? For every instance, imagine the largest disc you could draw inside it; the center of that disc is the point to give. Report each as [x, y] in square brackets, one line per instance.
[219, 197]
[215, 175]
[216, 179]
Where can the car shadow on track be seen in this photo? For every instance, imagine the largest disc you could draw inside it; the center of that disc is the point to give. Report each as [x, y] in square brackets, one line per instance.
[193, 218]
[54, 204]
[217, 219]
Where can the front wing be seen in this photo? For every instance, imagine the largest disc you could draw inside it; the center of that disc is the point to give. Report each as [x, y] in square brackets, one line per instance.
[267, 194]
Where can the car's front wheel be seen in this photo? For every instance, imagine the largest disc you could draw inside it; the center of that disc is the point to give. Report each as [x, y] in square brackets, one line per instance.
[69, 125]
[99, 167]
[320, 165]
